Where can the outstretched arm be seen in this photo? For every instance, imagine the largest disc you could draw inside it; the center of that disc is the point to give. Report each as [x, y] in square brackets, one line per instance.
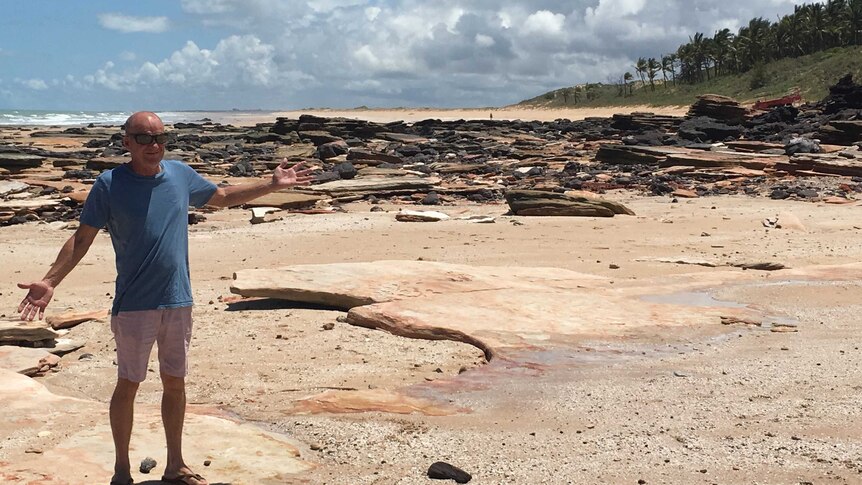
[41, 292]
[282, 177]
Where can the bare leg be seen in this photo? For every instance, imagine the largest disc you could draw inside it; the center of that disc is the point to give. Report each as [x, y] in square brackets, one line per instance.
[122, 412]
[173, 415]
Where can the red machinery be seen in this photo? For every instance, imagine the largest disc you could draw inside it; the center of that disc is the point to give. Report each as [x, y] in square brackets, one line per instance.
[794, 97]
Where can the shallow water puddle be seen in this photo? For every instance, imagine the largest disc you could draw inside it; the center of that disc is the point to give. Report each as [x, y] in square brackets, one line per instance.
[692, 298]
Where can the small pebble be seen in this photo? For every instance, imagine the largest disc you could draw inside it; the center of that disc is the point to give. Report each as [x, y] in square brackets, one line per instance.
[147, 464]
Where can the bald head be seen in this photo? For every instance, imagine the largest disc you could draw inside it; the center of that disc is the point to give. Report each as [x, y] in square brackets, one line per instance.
[145, 140]
[141, 121]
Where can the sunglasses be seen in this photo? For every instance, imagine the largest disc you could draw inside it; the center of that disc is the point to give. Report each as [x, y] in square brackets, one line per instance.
[146, 139]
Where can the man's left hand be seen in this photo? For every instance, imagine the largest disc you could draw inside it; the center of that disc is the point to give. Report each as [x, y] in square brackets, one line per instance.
[284, 176]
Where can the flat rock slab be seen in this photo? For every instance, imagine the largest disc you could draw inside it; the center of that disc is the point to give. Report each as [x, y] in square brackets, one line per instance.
[515, 315]
[346, 285]
[82, 451]
[25, 360]
[376, 185]
[12, 187]
[286, 200]
[72, 319]
[20, 160]
[34, 203]
[502, 310]
[13, 329]
[501, 321]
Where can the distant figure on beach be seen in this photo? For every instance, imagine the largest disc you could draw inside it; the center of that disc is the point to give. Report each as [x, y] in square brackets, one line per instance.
[144, 204]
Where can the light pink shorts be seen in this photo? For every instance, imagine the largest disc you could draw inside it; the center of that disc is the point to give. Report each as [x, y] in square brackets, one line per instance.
[135, 333]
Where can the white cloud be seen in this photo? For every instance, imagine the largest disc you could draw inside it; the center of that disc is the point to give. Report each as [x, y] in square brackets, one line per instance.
[128, 23]
[128, 56]
[237, 61]
[408, 52]
[34, 84]
[544, 22]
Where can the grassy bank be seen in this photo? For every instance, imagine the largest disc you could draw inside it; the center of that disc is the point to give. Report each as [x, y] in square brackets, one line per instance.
[812, 74]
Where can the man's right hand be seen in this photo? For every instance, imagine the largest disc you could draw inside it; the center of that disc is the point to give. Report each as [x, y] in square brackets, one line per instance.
[37, 299]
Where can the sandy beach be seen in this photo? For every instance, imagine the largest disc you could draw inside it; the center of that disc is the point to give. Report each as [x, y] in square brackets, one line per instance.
[385, 115]
[691, 403]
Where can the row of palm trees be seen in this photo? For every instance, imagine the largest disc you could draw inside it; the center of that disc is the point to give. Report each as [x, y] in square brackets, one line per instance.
[810, 28]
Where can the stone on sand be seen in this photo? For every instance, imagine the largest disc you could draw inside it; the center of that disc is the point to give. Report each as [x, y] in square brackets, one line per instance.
[420, 216]
[543, 203]
[71, 319]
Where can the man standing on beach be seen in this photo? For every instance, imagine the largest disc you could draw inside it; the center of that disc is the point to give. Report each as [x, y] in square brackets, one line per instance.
[144, 204]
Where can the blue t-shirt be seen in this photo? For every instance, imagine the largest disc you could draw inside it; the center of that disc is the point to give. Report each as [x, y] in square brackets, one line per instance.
[147, 217]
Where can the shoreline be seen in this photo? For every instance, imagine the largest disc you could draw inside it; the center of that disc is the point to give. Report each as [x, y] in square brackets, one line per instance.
[378, 115]
[386, 115]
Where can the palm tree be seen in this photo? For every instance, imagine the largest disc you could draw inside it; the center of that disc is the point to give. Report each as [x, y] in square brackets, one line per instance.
[754, 43]
[627, 77]
[836, 20]
[665, 68]
[686, 64]
[814, 25]
[699, 55]
[721, 42]
[652, 69]
[641, 68]
[669, 65]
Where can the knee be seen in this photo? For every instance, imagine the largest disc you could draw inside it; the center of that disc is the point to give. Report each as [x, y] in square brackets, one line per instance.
[126, 389]
[173, 384]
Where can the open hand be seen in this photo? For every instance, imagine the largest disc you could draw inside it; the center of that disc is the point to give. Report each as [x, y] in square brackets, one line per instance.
[37, 299]
[283, 176]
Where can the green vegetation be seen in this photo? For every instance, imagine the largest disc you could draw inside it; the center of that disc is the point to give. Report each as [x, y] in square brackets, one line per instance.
[812, 74]
[759, 58]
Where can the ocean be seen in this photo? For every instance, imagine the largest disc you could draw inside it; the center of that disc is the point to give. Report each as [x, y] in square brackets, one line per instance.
[22, 117]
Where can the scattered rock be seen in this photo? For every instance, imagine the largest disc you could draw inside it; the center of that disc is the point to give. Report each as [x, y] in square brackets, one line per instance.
[444, 471]
[420, 216]
[258, 214]
[147, 464]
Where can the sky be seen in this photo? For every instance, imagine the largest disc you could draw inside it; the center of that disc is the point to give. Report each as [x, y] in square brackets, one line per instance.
[291, 54]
